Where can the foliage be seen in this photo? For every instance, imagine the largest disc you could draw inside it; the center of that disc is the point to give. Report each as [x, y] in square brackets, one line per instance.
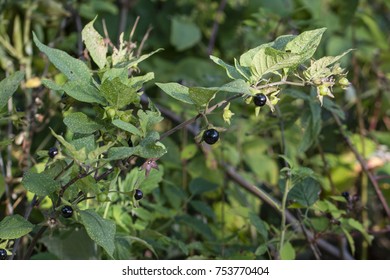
[284, 181]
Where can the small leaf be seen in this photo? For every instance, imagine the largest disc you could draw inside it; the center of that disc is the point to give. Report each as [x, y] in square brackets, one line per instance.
[100, 230]
[95, 44]
[40, 183]
[15, 226]
[305, 192]
[351, 242]
[287, 252]
[80, 123]
[231, 71]
[176, 91]
[149, 147]
[148, 119]
[259, 225]
[117, 93]
[188, 152]
[184, 34]
[127, 127]
[200, 185]
[8, 86]
[116, 153]
[73, 69]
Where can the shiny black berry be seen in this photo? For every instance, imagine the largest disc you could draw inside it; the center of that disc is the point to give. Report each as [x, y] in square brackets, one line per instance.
[53, 151]
[3, 254]
[345, 195]
[260, 99]
[211, 136]
[67, 211]
[138, 194]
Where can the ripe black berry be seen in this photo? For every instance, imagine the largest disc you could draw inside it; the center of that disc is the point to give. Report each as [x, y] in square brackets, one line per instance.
[67, 211]
[53, 151]
[138, 194]
[345, 195]
[260, 99]
[3, 254]
[211, 136]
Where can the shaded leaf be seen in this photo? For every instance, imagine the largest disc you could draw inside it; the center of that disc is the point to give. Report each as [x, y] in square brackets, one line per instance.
[231, 71]
[259, 225]
[200, 185]
[15, 226]
[306, 192]
[184, 34]
[40, 183]
[80, 123]
[100, 230]
[8, 86]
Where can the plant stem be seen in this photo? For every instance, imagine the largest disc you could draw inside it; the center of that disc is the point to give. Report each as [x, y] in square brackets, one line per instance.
[283, 213]
[214, 31]
[363, 164]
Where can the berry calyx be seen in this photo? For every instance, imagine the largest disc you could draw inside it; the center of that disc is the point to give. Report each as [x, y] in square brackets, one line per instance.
[260, 99]
[3, 254]
[138, 194]
[211, 136]
[67, 211]
[53, 151]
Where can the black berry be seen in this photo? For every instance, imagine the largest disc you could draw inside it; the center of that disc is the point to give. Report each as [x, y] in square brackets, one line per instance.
[138, 194]
[53, 151]
[260, 99]
[3, 254]
[67, 211]
[211, 136]
[345, 195]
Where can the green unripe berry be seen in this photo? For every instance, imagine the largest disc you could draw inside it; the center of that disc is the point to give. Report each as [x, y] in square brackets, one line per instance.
[102, 197]
[111, 113]
[323, 90]
[343, 82]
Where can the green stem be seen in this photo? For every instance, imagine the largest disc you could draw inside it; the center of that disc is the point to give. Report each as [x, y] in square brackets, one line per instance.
[283, 213]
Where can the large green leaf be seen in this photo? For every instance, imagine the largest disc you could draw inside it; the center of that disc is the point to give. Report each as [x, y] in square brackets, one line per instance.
[95, 44]
[79, 90]
[118, 93]
[306, 192]
[184, 34]
[40, 183]
[149, 147]
[80, 123]
[8, 87]
[176, 91]
[306, 43]
[73, 69]
[15, 226]
[100, 230]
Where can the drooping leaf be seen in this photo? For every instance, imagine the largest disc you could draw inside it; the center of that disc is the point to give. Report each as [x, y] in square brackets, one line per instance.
[95, 44]
[100, 230]
[40, 183]
[231, 71]
[15, 226]
[305, 192]
[72, 68]
[350, 240]
[176, 91]
[80, 123]
[8, 87]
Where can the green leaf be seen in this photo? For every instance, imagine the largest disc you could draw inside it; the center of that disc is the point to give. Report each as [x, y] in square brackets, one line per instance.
[127, 127]
[359, 226]
[100, 230]
[351, 242]
[78, 155]
[79, 90]
[176, 91]
[201, 96]
[73, 69]
[148, 119]
[306, 192]
[117, 93]
[8, 86]
[135, 61]
[231, 71]
[287, 252]
[197, 225]
[116, 153]
[188, 152]
[311, 124]
[259, 225]
[149, 147]
[236, 86]
[306, 43]
[80, 123]
[15, 226]
[95, 44]
[40, 183]
[200, 185]
[184, 34]
[203, 208]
